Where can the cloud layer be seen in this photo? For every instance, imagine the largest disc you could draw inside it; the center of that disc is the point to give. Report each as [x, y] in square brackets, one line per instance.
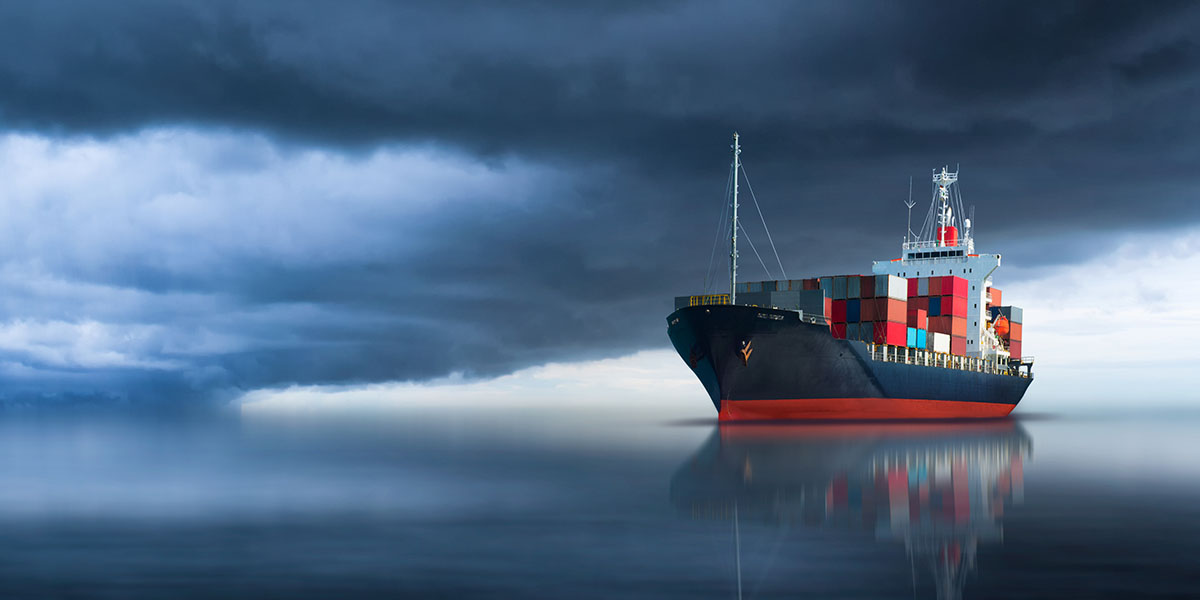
[204, 198]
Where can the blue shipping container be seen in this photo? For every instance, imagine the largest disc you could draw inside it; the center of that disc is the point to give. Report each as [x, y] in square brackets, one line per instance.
[866, 331]
[922, 338]
[935, 306]
[853, 311]
[912, 337]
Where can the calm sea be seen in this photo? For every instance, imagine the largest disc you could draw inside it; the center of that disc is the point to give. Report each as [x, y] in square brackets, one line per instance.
[434, 505]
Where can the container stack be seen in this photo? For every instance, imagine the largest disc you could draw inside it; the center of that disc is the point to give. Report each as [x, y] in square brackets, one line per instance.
[791, 294]
[1007, 322]
[918, 328]
[944, 300]
[921, 312]
[868, 308]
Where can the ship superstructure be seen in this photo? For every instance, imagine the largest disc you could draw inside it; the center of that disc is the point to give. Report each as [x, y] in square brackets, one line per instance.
[924, 336]
[945, 247]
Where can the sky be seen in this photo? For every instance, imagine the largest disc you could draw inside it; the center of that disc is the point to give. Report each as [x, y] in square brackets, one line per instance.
[207, 201]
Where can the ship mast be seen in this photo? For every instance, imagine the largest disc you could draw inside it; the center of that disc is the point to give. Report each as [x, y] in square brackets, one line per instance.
[946, 213]
[733, 253]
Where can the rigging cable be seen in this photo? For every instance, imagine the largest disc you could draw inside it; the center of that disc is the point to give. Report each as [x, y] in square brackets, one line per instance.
[720, 227]
[764, 222]
[760, 260]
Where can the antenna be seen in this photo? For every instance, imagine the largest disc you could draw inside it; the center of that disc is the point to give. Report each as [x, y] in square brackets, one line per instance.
[969, 222]
[909, 203]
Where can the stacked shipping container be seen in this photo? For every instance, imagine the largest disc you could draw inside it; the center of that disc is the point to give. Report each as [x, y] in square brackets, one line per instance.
[920, 312]
[944, 299]
[868, 308]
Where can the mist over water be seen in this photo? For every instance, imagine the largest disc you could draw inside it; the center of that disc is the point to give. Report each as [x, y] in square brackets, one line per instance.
[440, 504]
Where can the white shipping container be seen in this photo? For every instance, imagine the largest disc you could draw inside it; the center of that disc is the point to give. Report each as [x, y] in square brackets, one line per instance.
[897, 287]
[941, 342]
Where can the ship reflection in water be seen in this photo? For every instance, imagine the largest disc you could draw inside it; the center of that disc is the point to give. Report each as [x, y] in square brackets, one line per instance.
[938, 489]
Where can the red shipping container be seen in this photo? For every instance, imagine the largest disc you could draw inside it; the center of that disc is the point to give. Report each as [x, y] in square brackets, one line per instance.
[958, 345]
[918, 319]
[838, 330]
[891, 310]
[912, 287]
[892, 334]
[839, 312]
[828, 308]
[935, 286]
[995, 293]
[955, 286]
[940, 325]
[868, 309]
[958, 326]
[868, 287]
[1014, 349]
[954, 306]
[921, 303]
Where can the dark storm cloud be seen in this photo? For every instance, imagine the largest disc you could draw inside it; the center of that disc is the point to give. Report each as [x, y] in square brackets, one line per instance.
[1062, 114]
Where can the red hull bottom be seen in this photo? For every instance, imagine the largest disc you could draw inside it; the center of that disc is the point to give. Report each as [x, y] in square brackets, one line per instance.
[860, 408]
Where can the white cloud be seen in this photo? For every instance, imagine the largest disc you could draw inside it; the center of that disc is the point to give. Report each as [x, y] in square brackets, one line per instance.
[182, 199]
[652, 381]
[140, 251]
[86, 344]
[1120, 329]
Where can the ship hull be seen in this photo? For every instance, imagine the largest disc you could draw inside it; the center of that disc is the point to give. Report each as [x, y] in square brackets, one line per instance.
[759, 363]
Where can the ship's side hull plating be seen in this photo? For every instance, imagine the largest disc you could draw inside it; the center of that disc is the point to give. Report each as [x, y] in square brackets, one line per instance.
[759, 363]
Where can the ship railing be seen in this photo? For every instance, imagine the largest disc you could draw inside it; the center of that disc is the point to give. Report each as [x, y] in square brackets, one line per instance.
[930, 358]
[963, 243]
[708, 300]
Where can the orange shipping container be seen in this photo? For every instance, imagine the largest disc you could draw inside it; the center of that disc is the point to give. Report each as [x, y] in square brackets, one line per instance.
[891, 310]
[995, 293]
[958, 326]
[1014, 331]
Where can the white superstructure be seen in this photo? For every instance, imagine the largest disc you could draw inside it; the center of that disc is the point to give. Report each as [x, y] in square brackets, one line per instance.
[939, 249]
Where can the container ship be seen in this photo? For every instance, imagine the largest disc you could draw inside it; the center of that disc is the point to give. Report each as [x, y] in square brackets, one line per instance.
[924, 336]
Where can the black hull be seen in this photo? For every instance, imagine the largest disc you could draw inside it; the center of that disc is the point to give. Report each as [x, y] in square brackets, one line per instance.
[797, 369]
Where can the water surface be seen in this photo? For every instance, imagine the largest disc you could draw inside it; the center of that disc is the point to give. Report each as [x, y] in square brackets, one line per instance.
[428, 504]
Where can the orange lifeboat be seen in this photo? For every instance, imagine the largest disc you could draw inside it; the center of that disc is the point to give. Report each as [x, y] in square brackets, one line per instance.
[1000, 326]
